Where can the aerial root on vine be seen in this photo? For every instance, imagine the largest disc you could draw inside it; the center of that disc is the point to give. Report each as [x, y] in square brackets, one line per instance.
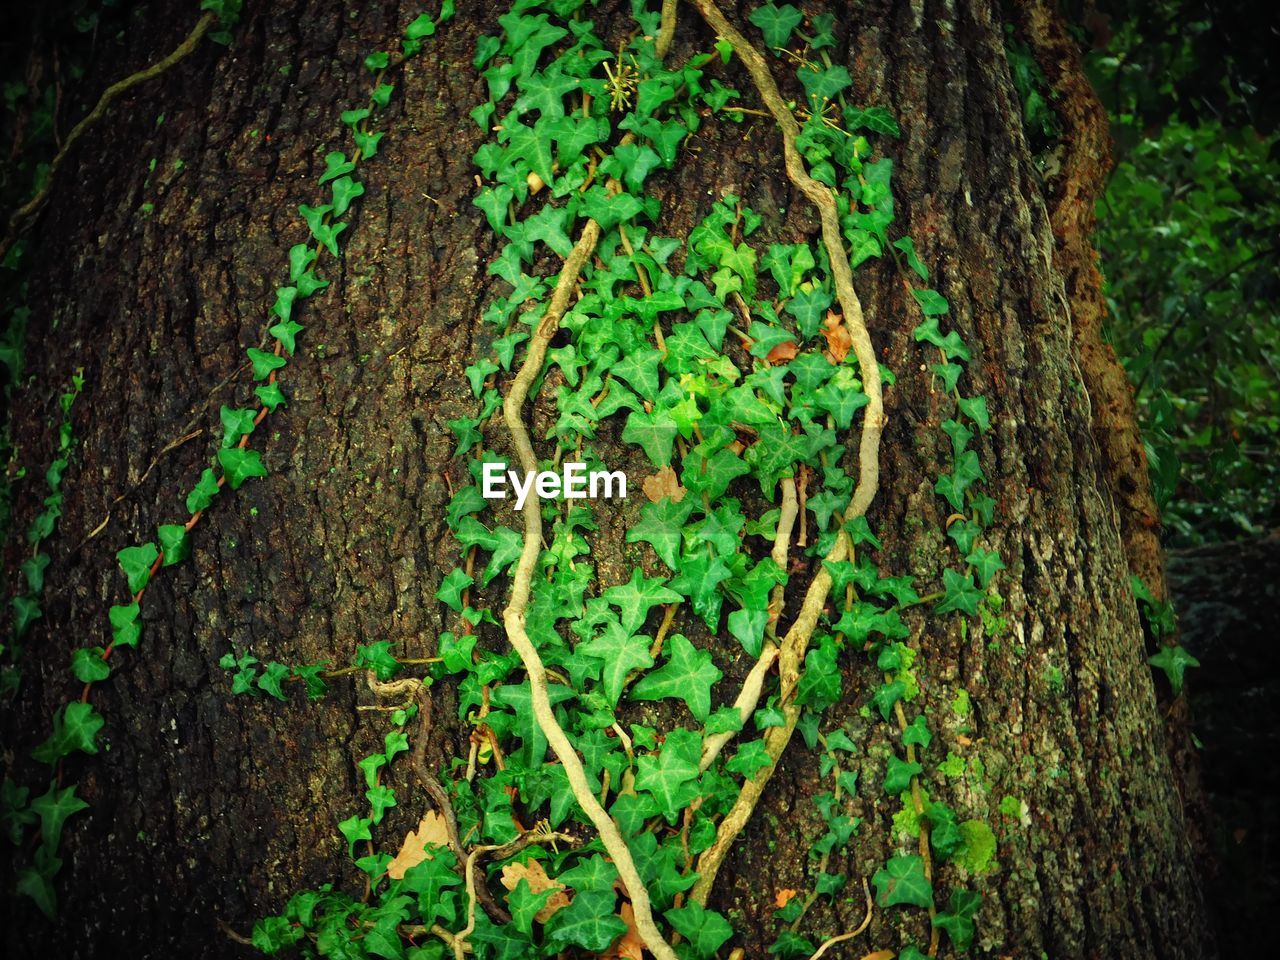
[795, 643]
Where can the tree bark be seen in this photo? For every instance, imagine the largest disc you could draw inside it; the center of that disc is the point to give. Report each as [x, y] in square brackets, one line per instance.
[209, 809]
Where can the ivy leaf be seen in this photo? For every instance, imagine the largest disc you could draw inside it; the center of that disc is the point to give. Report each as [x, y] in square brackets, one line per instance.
[901, 882]
[776, 23]
[53, 809]
[136, 562]
[203, 493]
[377, 657]
[640, 369]
[1174, 662]
[875, 119]
[344, 191]
[527, 144]
[125, 629]
[747, 627]
[525, 904]
[88, 666]
[236, 423]
[671, 776]
[355, 829]
[590, 921]
[960, 592]
[270, 396]
[621, 652]
[957, 920]
[421, 27]
[825, 84]
[301, 256]
[239, 464]
[809, 307]
[898, 774]
[750, 759]
[987, 563]
[705, 929]
[264, 363]
[430, 879]
[661, 526]
[687, 675]
[272, 676]
[286, 331]
[75, 727]
[975, 408]
[819, 685]
[635, 598]
[336, 165]
[932, 303]
[906, 245]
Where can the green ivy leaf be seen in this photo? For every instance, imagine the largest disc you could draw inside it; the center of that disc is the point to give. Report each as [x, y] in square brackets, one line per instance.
[901, 882]
[875, 119]
[136, 562]
[960, 593]
[706, 930]
[1174, 662]
[264, 363]
[273, 674]
[590, 921]
[906, 245]
[88, 666]
[986, 563]
[661, 526]
[203, 493]
[125, 629]
[377, 657]
[776, 22]
[53, 808]
[898, 774]
[239, 464]
[975, 408]
[236, 424]
[75, 727]
[671, 776]
[688, 675]
[270, 395]
[637, 597]
[344, 191]
[621, 653]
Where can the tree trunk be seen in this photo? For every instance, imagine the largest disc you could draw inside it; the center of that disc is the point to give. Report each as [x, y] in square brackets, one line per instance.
[209, 809]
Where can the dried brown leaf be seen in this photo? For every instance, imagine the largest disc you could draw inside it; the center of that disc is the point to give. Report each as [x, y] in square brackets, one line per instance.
[533, 874]
[783, 352]
[412, 852]
[839, 343]
[664, 483]
[628, 946]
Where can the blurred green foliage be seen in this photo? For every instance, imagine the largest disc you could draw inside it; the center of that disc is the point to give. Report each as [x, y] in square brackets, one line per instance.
[1189, 234]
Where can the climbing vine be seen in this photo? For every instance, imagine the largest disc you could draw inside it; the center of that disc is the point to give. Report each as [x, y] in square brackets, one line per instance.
[742, 373]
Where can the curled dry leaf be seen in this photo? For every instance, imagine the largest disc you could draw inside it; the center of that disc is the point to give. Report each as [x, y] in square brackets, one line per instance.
[535, 182]
[533, 874]
[664, 483]
[628, 946]
[783, 352]
[413, 850]
[783, 897]
[880, 955]
[839, 343]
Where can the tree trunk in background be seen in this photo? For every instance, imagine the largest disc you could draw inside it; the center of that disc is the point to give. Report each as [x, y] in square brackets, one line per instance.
[209, 808]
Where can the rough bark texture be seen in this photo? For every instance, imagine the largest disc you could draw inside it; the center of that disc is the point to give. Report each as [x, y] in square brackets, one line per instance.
[208, 808]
